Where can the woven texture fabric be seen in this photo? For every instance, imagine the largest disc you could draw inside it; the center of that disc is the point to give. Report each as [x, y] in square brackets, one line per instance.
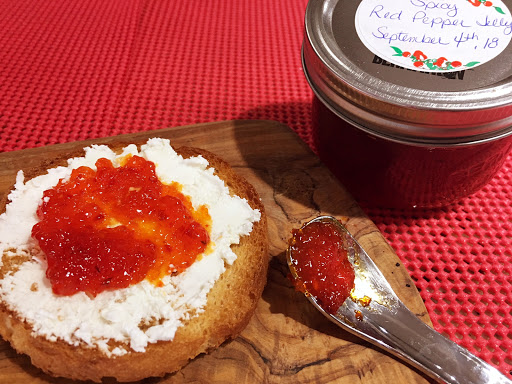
[73, 70]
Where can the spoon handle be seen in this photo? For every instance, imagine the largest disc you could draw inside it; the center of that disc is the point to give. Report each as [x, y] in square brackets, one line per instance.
[403, 334]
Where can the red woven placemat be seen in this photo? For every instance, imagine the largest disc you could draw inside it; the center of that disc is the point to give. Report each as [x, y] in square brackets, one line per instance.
[76, 70]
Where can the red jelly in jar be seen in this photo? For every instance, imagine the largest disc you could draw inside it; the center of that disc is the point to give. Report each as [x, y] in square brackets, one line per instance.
[113, 227]
[321, 264]
[403, 123]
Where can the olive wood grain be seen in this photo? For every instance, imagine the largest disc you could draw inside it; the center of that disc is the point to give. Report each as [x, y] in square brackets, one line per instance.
[287, 340]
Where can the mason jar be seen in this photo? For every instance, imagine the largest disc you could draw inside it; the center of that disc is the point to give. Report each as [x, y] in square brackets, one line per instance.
[412, 100]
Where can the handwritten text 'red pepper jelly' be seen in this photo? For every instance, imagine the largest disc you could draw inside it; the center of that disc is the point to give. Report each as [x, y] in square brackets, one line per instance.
[321, 264]
[113, 227]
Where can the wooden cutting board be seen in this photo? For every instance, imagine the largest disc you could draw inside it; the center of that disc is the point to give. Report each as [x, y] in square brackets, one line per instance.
[287, 340]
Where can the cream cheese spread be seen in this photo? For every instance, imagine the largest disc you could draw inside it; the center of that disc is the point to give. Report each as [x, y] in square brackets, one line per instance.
[142, 313]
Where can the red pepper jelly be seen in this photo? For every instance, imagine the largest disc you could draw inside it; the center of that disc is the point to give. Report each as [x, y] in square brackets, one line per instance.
[113, 227]
[321, 264]
[405, 115]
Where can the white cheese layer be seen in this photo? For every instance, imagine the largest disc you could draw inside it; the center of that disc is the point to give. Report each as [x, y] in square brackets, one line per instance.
[117, 315]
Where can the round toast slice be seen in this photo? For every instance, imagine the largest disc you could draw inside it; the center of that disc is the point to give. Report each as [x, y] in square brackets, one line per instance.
[230, 304]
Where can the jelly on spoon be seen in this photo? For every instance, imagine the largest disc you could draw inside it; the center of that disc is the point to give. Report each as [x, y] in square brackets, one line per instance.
[372, 310]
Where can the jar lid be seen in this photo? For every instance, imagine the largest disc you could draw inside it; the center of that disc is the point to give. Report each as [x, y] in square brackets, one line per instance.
[418, 71]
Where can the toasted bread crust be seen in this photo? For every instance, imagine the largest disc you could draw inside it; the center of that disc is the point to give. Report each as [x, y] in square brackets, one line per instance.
[230, 305]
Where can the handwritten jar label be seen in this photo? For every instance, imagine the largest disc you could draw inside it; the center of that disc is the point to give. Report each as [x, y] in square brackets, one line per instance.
[435, 35]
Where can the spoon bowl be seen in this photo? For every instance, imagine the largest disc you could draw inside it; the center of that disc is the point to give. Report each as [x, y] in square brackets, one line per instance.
[376, 314]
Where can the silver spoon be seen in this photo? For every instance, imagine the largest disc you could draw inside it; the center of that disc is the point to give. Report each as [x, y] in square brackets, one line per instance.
[387, 323]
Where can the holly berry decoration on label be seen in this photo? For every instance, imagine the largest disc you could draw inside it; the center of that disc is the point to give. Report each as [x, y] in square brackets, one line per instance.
[420, 60]
[485, 3]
